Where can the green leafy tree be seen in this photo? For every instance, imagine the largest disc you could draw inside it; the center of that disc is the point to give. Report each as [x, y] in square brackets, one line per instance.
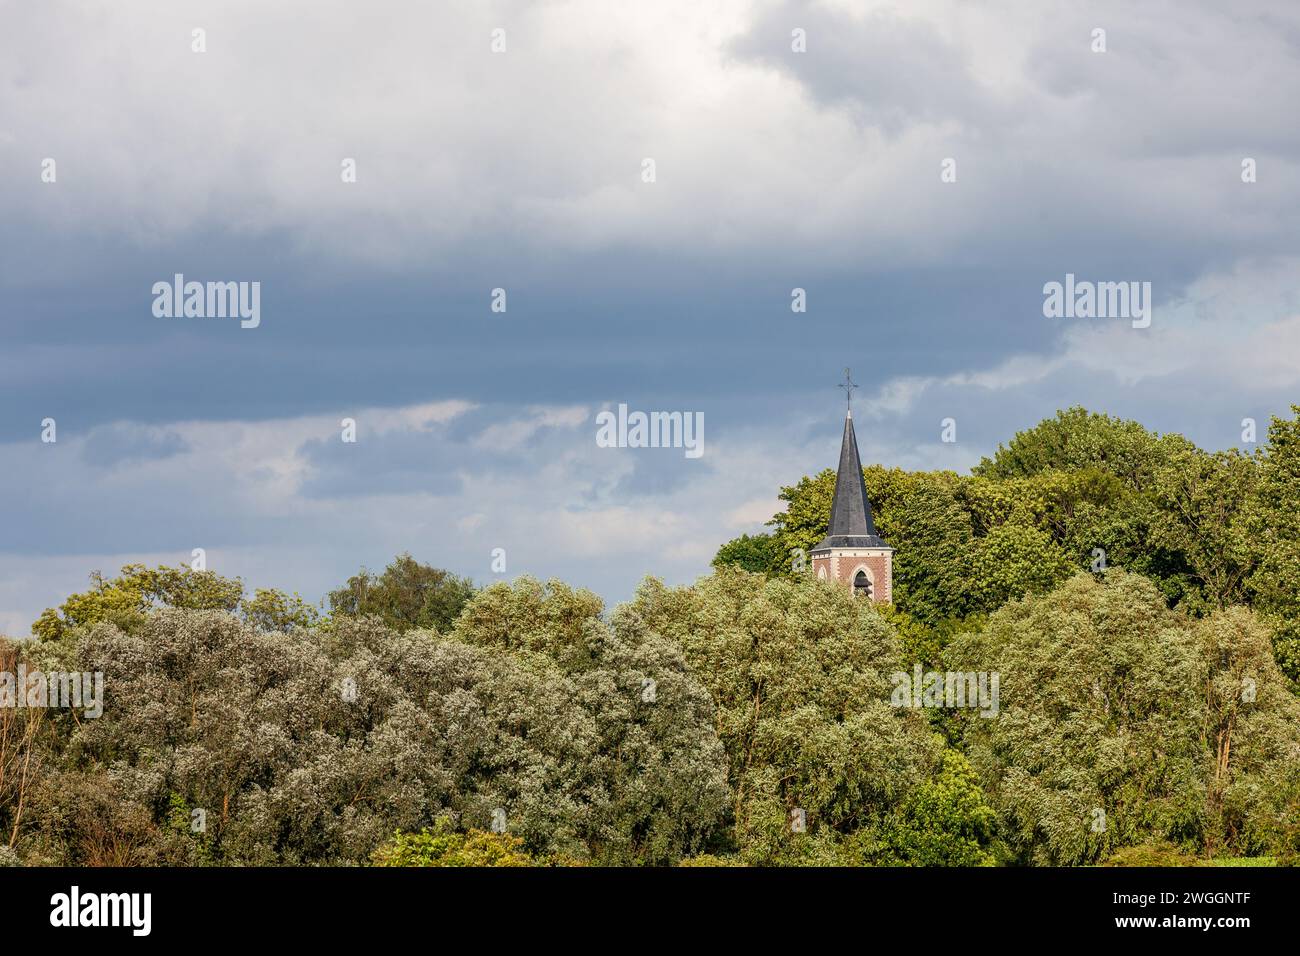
[272, 610]
[125, 600]
[443, 846]
[797, 671]
[1076, 439]
[1203, 513]
[935, 542]
[802, 525]
[757, 552]
[657, 761]
[1078, 491]
[316, 746]
[1274, 528]
[1124, 723]
[946, 821]
[406, 595]
[1013, 560]
[1050, 500]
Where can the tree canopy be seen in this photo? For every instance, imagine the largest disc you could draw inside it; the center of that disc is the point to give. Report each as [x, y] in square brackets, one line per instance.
[1080, 491]
[1130, 599]
[1125, 723]
[406, 595]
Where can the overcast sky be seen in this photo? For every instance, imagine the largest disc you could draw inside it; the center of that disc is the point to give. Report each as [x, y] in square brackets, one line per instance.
[523, 170]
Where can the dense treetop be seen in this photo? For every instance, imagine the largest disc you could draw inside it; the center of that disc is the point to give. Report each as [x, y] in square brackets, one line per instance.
[1134, 596]
[1080, 491]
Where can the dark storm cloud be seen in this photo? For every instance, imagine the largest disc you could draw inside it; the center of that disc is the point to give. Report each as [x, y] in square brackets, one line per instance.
[115, 444]
[776, 171]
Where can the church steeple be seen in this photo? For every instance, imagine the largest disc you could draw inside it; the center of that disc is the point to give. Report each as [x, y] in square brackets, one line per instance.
[852, 551]
[851, 511]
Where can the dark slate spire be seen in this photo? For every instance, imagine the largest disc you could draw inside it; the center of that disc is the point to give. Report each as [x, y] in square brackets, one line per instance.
[851, 522]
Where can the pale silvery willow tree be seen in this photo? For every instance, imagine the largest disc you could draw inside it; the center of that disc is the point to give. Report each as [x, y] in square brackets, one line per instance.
[799, 673]
[1124, 723]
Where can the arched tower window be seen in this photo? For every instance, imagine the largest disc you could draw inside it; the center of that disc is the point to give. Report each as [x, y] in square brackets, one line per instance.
[862, 585]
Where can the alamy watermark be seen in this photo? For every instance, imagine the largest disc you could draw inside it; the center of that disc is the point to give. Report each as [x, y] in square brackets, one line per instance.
[75, 908]
[1098, 300]
[209, 300]
[57, 689]
[946, 689]
[651, 430]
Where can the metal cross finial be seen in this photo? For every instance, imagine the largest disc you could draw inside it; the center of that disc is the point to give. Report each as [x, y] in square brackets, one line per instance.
[848, 385]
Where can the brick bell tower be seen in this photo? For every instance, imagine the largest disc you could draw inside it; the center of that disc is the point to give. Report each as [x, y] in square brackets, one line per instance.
[852, 552]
